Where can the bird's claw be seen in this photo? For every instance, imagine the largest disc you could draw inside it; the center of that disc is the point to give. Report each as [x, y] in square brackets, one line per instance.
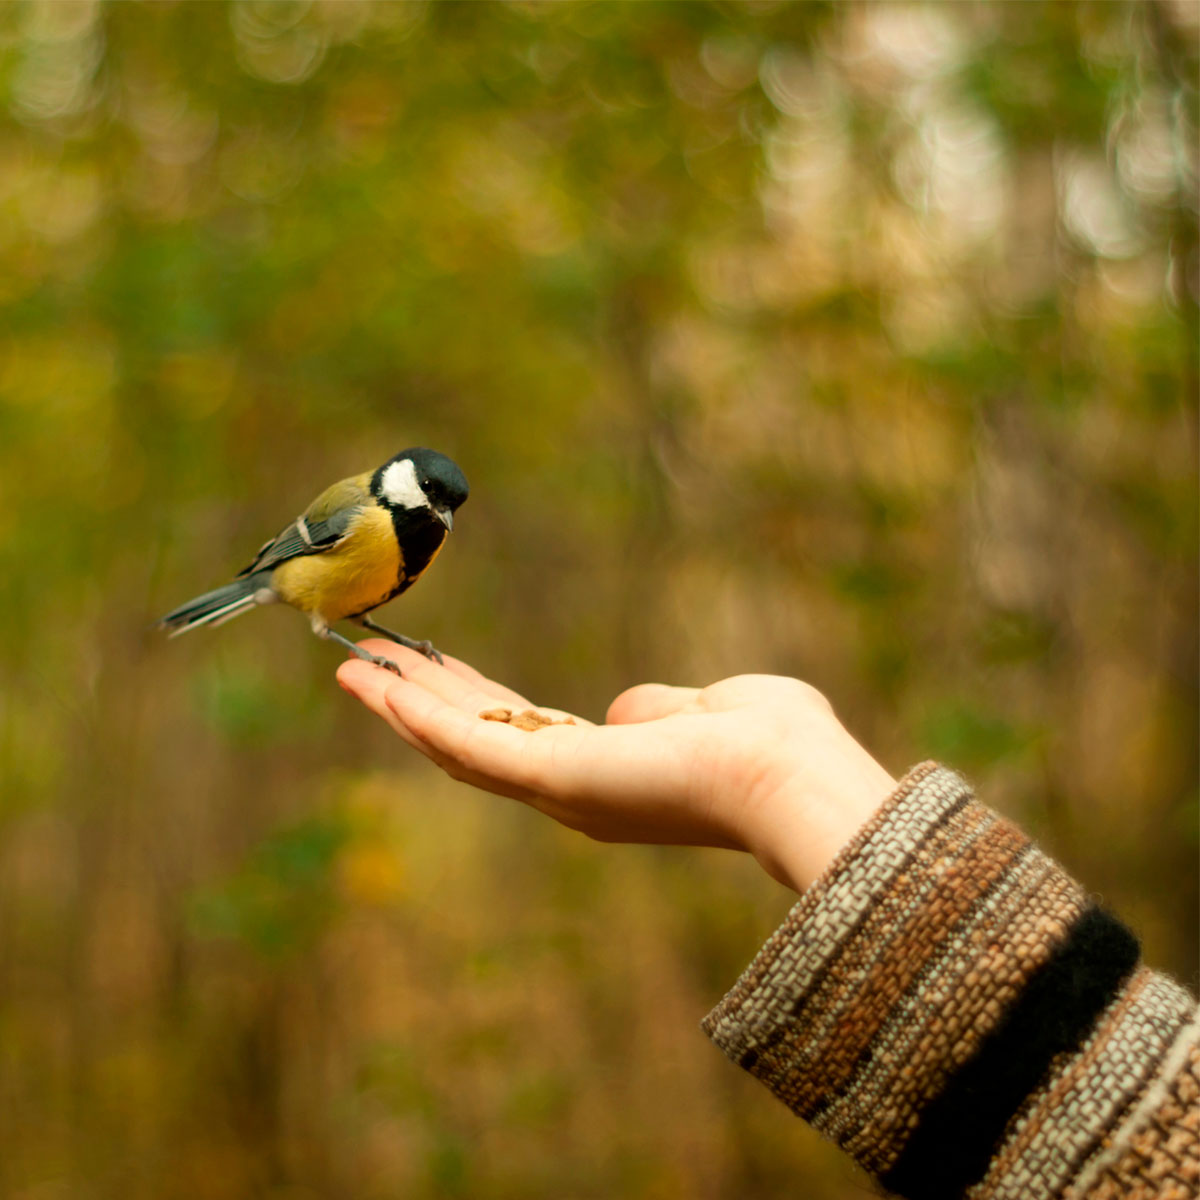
[426, 647]
[387, 665]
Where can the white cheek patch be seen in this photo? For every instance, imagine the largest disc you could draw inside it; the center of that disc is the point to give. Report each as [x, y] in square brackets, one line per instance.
[400, 487]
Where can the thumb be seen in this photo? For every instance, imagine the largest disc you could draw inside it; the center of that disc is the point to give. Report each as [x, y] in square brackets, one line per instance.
[649, 701]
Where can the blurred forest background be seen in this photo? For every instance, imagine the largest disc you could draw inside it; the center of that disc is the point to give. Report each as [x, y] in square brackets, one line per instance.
[851, 341]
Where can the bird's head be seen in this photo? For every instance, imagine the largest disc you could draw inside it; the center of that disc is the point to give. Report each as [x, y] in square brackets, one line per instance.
[421, 479]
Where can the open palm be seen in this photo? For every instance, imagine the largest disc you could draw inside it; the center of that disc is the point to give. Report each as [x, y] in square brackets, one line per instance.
[755, 762]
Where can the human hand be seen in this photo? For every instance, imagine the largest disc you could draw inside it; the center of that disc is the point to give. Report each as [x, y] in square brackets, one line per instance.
[756, 762]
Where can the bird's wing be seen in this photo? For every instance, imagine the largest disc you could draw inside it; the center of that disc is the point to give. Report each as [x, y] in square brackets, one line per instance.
[322, 525]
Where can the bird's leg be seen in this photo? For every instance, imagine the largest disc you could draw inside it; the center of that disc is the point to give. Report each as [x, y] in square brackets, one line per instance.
[425, 648]
[323, 631]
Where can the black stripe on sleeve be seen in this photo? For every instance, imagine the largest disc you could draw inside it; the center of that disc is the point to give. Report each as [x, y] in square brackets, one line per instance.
[961, 1128]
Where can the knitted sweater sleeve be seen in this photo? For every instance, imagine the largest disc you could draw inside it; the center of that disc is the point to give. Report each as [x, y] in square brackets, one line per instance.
[949, 1007]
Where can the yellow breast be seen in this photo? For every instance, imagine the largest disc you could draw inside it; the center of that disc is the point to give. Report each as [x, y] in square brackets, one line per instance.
[355, 576]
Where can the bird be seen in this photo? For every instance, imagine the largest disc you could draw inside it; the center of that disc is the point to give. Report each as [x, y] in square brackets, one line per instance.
[359, 544]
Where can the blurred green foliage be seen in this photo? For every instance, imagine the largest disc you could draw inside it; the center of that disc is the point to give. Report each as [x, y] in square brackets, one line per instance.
[853, 341]
[283, 898]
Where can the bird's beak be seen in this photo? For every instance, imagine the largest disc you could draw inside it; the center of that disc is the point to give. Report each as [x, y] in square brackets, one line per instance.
[445, 516]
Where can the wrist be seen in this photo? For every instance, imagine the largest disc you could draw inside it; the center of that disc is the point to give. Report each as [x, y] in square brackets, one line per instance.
[803, 824]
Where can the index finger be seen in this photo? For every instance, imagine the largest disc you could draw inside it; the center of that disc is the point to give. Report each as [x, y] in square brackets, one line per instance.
[460, 685]
[467, 672]
[483, 752]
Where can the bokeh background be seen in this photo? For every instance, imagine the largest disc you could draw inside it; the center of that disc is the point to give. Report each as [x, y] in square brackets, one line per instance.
[852, 341]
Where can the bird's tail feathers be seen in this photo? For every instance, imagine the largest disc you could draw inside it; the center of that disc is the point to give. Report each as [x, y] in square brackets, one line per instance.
[213, 608]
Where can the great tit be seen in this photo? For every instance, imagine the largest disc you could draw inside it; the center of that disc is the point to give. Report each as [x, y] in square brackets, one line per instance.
[360, 543]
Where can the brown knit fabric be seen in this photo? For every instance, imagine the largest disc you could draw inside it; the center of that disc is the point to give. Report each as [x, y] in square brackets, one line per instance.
[1158, 1155]
[1088, 1093]
[894, 968]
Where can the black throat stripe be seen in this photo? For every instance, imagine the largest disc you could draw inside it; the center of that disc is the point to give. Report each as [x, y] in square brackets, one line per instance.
[420, 535]
[961, 1128]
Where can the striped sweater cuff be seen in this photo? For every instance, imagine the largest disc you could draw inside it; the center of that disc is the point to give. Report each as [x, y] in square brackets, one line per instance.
[924, 995]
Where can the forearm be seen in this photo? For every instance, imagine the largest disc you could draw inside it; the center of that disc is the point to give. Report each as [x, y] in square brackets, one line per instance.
[947, 1005]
